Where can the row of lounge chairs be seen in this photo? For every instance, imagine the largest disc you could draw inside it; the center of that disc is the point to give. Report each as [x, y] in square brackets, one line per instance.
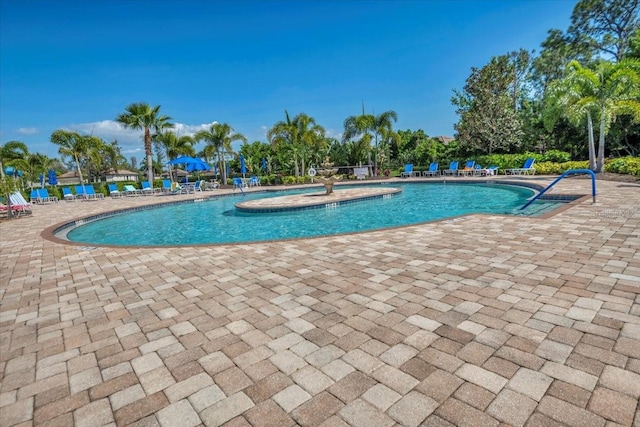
[168, 187]
[470, 169]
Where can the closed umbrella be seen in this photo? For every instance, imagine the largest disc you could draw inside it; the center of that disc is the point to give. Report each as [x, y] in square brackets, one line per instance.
[243, 166]
[264, 164]
[52, 177]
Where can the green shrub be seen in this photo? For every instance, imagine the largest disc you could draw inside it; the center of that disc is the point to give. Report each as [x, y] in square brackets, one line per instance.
[556, 156]
[626, 165]
[547, 168]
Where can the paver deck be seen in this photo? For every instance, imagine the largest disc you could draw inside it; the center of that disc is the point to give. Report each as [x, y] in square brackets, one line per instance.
[486, 320]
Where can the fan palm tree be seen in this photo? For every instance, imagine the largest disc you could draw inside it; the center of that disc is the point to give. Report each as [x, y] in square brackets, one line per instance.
[141, 116]
[220, 136]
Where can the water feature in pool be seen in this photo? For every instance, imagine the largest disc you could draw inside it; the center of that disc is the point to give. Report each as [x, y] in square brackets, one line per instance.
[215, 220]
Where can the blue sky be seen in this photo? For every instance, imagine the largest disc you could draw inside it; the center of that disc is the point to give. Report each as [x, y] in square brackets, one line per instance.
[78, 64]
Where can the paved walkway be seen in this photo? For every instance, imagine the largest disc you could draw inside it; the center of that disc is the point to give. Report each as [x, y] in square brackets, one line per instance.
[485, 320]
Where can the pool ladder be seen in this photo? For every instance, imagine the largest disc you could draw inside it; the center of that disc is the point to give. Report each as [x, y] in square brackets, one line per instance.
[567, 173]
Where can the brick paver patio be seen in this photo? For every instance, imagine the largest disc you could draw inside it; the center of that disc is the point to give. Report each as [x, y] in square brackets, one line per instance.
[485, 320]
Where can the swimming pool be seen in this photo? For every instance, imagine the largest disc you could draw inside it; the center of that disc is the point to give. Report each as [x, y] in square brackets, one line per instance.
[215, 220]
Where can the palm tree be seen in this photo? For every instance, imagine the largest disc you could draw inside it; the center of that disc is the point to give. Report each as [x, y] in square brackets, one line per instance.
[285, 132]
[141, 116]
[382, 127]
[310, 136]
[220, 136]
[300, 135]
[369, 124]
[612, 89]
[74, 145]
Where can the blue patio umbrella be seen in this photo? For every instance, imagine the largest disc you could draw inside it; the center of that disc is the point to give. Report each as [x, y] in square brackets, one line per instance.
[264, 164]
[52, 177]
[191, 163]
[197, 166]
[243, 166]
[41, 178]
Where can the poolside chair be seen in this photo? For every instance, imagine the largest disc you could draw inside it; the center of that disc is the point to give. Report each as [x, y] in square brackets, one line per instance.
[18, 203]
[92, 193]
[526, 169]
[113, 191]
[453, 169]
[433, 170]
[177, 189]
[130, 190]
[147, 190]
[469, 168]
[43, 195]
[408, 171]
[34, 196]
[212, 185]
[80, 192]
[197, 186]
[68, 195]
[238, 183]
[254, 181]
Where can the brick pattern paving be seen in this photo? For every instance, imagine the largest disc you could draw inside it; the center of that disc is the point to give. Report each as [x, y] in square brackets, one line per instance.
[486, 320]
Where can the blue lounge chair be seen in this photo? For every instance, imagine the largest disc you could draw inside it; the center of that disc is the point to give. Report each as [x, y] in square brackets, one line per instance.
[166, 186]
[469, 168]
[113, 191]
[34, 196]
[147, 189]
[408, 171]
[81, 192]
[526, 169]
[433, 170]
[91, 193]
[68, 194]
[453, 169]
[130, 190]
[41, 196]
[197, 186]
[238, 183]
[254, 181]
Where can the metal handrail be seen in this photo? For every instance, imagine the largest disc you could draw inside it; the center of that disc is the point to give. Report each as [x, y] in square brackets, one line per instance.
[569, 172]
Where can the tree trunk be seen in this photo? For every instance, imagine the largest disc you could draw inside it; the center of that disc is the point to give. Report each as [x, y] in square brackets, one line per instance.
[592, 147]
[600, 164]
[147, 150]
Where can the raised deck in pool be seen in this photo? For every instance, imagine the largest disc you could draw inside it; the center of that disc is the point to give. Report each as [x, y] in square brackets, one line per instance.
[314, 200]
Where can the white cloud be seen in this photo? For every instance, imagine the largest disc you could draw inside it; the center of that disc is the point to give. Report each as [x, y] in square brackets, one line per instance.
[130, 140]
[27, 131]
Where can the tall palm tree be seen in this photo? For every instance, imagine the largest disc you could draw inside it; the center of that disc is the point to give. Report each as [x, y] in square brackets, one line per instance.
[220, 136]
[74, 145]
[141, 116]
[610, 90]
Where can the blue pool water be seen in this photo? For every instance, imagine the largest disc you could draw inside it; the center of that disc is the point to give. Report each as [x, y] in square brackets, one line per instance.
[215, 220]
